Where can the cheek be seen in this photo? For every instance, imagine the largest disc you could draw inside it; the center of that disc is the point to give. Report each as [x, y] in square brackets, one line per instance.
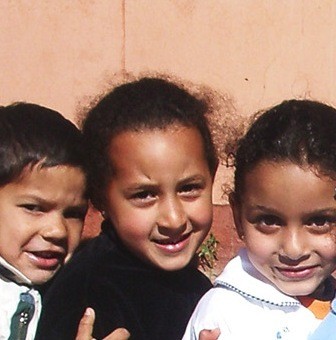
[133, 224]
[326, 249]
[14, 236]
[204, 219]
[200, 213]
[260, 248]
[74, 237]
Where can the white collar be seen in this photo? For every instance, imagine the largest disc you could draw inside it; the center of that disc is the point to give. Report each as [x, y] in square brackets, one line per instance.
[241, 276]
[7, 271]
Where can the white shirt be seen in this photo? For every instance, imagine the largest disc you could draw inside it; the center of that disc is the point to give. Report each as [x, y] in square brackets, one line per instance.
[9, 298]
[245, 305]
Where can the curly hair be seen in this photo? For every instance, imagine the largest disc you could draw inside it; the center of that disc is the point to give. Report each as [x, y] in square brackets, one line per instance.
[299, 131]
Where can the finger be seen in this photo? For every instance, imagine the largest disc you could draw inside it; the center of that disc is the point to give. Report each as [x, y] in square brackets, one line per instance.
[207, 334]
[85, 326]
[118, 334]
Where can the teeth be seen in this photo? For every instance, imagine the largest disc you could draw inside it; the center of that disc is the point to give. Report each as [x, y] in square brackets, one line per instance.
[167, 242]
[47, 255]
[164, 242]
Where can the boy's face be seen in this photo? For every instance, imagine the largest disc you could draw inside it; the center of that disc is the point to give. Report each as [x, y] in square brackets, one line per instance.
[159, 198]
[41, 219]
[287, 217]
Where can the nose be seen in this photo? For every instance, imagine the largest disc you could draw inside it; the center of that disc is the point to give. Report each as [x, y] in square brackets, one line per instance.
[294, 245]
[172, 215]
[55, 228]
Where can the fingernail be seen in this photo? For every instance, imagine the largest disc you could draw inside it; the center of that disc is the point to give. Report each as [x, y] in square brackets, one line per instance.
[88, 311]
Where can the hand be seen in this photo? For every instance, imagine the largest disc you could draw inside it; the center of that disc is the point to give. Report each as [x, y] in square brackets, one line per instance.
[85, 328]
[207, 334]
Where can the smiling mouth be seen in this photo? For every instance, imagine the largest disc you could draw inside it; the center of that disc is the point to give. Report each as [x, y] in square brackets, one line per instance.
[46, 259]
[297, 273]
[170, 241]
[173, 246]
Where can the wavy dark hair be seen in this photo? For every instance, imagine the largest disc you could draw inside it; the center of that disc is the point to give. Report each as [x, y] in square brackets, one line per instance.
[300, 131]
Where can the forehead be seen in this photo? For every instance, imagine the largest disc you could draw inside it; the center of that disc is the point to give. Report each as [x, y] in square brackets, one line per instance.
[158, 147]
[61, 178]
[41, 171]
[290, 186]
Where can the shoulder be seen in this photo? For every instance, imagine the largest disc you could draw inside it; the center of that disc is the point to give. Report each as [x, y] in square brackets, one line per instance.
[76, 276]
[211, 312]
[196, 279]
[225, 309]
[219, 300]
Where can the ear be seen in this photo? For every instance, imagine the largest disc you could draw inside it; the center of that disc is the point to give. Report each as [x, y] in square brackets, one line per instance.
[236, 212]
[100, 206]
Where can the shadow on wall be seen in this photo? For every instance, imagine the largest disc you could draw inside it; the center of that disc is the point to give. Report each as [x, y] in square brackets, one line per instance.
[222, 228]
[225, 232]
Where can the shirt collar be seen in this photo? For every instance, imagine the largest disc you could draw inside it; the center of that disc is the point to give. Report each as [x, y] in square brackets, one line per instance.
[10, 273]
[241, 276]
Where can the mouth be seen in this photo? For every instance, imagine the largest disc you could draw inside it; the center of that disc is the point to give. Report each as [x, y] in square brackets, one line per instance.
[173, 245]
[297, 273]
[46, 259]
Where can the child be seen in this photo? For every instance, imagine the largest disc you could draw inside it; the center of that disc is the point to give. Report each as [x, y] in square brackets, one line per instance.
[42, 208]
[152, 168]
[285, 211]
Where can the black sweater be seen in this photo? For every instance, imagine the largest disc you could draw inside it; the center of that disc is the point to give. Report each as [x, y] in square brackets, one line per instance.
[124, 291]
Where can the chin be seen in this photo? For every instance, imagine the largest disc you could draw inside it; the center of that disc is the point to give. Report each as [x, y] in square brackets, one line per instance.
[172, 265]
[41, 278]
[297, 290]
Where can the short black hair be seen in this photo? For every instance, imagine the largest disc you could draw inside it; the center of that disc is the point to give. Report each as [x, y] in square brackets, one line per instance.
[148, 103]
[31, 134]
[300, 131]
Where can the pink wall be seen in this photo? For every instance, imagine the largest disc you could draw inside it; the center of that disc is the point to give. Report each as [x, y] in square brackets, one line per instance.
[61, 53]
[260, 51]
[58, 52]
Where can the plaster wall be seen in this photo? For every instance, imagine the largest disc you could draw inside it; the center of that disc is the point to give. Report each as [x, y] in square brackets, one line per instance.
[61, 53]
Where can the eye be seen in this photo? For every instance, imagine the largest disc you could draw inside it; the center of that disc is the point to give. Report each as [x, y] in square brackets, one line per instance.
[32, 207]
[321, 223]
[267, 223]
[143, 197]
[191, 190]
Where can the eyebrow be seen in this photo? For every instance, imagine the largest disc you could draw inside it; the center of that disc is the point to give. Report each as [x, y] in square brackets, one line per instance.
[330, 210]
[153, 186]
[322, 211]
[194, 178]
[261, 207]
[47, 202]
[35, 198]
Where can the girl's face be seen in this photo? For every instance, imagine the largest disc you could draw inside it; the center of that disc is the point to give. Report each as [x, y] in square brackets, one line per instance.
[159, 197]
[287, 217]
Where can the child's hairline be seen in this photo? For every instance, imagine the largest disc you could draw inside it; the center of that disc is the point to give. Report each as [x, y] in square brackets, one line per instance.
[302, 156]
[171, 126]
[303, 164]
[39, 165]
